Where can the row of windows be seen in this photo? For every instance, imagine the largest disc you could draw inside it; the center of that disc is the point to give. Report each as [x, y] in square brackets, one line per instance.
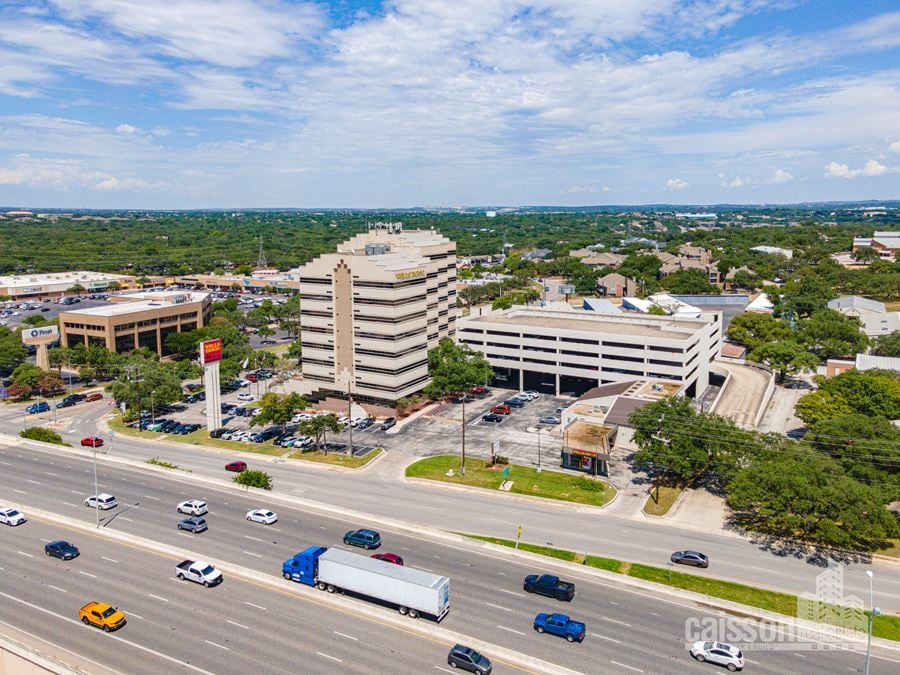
[313, 296]
[387, 284]
[398, 319]
[391, 355]
[392, 371]
[320, 362]
[316, 312]
[382, 336]
[389, 303]
[315, 280]
[381, 387]
[83, 326]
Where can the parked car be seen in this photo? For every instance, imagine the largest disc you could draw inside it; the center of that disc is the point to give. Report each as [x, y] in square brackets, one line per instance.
[39, 407]
[514, 403]
[392, 558]
[365, 423]
[61, 549]
[720, 653]
[94, 396]
[560, 625]
[531, 394]
[492, 418]
[193, 524]
[12, 517]
[549, 419]
[549, 585]
[102, 615]
[480, 391]
[501, 409]
[236, 466]
[468, 659]
[263, 516]
[694, 558]
[388, 423]
[244, 396]
[363, 538]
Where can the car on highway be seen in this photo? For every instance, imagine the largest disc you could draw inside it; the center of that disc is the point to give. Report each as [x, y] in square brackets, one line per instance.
[200, 572]
[102, 501]
[388, 423]
[560, 625]
[12, 517]
[694, 558]
[549, 585]
[102, 615]
[61, 549]
[492, 418]
[193, 507]
[193, 524]
[466, 658]
[501, 409]
[392, 558]
[244, 396]
[514, 403]
[363, 538]
[39, 407]
[236, 466]
[549, 419]
[66, 403]
[263, 516]
[92, 441]
[720, 653]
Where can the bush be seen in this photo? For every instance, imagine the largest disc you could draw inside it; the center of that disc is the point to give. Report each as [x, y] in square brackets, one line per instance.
[254, 478]
[42, 434]
[156, 461]
[585, 483]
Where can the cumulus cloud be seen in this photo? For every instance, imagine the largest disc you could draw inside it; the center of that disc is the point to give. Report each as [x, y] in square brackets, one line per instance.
[117, 184]
[126, 129]
[676, 184]
[779, 177]
[895, 147]
[735, 182]
[870, 168]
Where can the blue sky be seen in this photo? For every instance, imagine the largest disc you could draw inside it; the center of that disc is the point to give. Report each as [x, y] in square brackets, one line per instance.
[359, 103]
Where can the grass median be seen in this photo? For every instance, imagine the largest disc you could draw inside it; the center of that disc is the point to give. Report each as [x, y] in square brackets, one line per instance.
[887, 627]
[199, 437]
[526, 481]
[659, 506]
[338, 459]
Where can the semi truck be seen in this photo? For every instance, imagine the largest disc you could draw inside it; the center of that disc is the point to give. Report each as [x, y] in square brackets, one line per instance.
[413, 592]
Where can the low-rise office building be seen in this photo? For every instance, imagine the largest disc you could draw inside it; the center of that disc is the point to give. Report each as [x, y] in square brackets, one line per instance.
[136, 320]
[58, 284]
[569, 352]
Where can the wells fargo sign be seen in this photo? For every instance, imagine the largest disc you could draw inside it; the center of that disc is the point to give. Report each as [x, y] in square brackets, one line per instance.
[211, 351]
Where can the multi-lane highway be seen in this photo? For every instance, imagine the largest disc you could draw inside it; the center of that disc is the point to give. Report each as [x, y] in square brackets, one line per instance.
[628, 631]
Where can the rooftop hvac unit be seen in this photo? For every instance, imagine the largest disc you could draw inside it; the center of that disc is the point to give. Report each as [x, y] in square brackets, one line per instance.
[377, 249]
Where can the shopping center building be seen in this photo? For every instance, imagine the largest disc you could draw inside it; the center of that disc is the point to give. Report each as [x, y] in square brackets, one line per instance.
[58, 284]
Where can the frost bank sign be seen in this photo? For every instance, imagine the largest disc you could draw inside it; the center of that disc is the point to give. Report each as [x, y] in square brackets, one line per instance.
[844, 614]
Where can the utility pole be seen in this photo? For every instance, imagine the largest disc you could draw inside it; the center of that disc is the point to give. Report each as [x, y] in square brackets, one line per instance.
[350, 416]
[462, 466]
[96, 501]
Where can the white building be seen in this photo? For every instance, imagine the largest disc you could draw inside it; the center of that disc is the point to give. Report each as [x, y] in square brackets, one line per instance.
[570, 352]
[785, 252]
[57, 284]
[873, 315]
[370, 312]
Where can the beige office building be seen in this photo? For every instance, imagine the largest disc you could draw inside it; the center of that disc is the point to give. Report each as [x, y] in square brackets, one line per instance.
[370, 312]
[136, 320]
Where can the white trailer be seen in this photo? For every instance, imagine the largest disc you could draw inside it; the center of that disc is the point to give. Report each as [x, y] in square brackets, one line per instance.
[413, 591]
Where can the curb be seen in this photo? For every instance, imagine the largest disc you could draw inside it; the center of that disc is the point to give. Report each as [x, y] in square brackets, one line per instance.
[357, 607]
[34, 657]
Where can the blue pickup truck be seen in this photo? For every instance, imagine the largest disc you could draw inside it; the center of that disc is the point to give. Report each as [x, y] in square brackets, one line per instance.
[561, 625]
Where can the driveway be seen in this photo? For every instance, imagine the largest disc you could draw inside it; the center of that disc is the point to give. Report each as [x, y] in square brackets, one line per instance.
[743, 394]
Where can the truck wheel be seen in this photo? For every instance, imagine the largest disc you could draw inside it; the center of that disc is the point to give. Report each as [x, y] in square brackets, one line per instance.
[85, 621]
[287, 575]
[539, 629]
[413, 614]
[321, 585]
[560, 596]
[570, 638]
[403, 610]
[105, 629]
[331, 589]
[181, 576]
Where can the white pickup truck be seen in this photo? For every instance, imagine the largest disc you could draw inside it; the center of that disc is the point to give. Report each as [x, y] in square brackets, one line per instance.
[199, 572]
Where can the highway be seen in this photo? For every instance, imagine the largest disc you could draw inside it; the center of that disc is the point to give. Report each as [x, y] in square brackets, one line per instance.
[382, 491]
[628, 631]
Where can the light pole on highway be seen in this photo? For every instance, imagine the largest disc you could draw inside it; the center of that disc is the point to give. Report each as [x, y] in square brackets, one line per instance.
[539, 449]
[152, 413]
[873, 612]
[96, 501]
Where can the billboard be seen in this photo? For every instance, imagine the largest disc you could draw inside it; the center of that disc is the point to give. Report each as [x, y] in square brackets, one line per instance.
[210, 351]
[41, 335]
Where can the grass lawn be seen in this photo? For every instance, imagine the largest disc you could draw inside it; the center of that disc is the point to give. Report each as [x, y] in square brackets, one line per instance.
[338, 459]
[667, 497]
[887, 627]
[526, 481]
[199, 437]
[277, 349]
[893, 550]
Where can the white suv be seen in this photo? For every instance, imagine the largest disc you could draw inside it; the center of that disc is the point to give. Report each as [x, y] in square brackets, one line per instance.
[102, 501]
[193, 507]
[720, 653]
[10, 516]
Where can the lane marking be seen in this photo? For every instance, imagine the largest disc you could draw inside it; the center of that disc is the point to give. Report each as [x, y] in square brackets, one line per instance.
[70, 504]
[136, 616]
[74, 492]
[27, 555]
[443, 669]
[126, 519]
[235, 623]
[217, 645]
[491, 604]
[47, 541]
[57, 588]
[517, 632]
[109, 559]
[257, 606]
[184, 534]
[50, 473]
[349, 637]
[21, 492]
[33, 482]
[637, 670]
[621, 623]
[603, 637]
[800, 655]
[253, 538]
[255, 555]
[519, 595]
[156, 499]
[328, 656]
[157, 597]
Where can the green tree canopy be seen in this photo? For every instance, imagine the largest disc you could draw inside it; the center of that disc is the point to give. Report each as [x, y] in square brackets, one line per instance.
[254, 478]
[887, 345]
[689, 281]
[829, 334]
[455, 368]
[754, 330]
[318, 426]
[787, 358]
[42, 434]
[278, 409]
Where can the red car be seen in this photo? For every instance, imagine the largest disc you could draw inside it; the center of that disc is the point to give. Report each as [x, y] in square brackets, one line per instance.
[501, 409]
[92, 441]
[236, 466]
[251, 377]
[389, 557]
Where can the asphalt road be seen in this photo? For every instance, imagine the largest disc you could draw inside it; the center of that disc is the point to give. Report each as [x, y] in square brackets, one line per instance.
[382, 491]
[627, 631]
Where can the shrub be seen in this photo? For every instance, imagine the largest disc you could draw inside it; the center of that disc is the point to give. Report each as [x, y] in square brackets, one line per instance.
[585, 483]
[254, 478]
[42, 434]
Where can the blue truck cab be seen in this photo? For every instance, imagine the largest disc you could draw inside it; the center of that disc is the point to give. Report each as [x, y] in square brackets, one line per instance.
[303, 566]
[561, 625]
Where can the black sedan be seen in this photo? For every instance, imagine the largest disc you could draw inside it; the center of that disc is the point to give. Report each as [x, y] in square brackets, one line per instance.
[61, 549]
[492, 418]
[694, 558]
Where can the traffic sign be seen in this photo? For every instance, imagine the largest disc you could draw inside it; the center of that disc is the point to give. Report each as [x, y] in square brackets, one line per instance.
[506, 472]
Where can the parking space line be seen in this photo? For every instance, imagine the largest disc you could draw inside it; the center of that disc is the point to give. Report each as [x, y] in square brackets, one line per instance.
[87, 574]
[27, 555]
[217, 645]
[57, 588]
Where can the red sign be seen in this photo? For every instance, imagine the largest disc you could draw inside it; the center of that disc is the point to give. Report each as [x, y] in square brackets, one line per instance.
[211, 351]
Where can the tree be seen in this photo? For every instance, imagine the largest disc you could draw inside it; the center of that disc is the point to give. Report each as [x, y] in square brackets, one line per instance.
[12, 351]
[50, 383]
[295, 350]
[754, 330]
[254, 478]
[265, 332]
[804, 495]
[456, 368]
[278, 409]
[318, 426]
[19, 391]
[788, 358]
[138, 377]
[42, 434]
[689, 281]
[27, 374]
[830, 334]
[142, 281]
[821, 405]
[745, 279]
[887, 345]
[59, 357]
[35, 320]
[113, 286]
[865, 254]
[77, 289]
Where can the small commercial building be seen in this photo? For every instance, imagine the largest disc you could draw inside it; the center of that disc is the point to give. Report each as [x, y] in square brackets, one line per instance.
[136, 320]
[885, 244]
[58, 284]
[872, 315]
[586, 447]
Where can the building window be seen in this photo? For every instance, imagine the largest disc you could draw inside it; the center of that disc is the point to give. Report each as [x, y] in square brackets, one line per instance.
[622, 345]
[539, 337]
[662, 362]
[670, 350]
[124, 343]
[580, 341]
[314, 280]
[616, 357]
[500, 332]
[546, 363]
[147, 339]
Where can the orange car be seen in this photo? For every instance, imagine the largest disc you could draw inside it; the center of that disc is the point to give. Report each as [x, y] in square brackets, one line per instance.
[102, 615]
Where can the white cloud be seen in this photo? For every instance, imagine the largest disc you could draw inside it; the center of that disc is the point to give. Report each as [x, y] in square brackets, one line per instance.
[874, 168]
[895, 147]
[870, 168]
[735, 182]
[780, 177]
[160, 132]
[126, 129]
[676, 184]
[113, 183]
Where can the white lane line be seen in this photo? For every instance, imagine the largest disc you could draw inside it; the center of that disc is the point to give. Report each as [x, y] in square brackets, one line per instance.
[757, 663]
[637, 670]
[419, 567]
[655, 614]
[436, 556]
[50, 473]
[57, 588]
[157, 597]
[21, 492]
[183, 534]
[217, 645]
[328, 656]
[443, 669]
[109, 559]
[621, 623]
[74, 492]
[7, 463]
[603, 637]
[126, 519]
[70, 504]
[34, 482]
[27, 555]
[517, 632]
[156, 499]
[491, 604]
[613, 603]
[520, 595]
[257, 555]
[235, 623]
[47, 541]
[173, 579]
[502, 574]
[257, 606]
[349, 637]
[406, 548]
[800, 655]
[136, 616]
[87, 574]
[274, 529]
[253, 538]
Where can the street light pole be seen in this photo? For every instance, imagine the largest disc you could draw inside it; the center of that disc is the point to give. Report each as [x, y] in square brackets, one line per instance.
[152, 409]
[539, 449]
[96, 501]
[873, 612]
